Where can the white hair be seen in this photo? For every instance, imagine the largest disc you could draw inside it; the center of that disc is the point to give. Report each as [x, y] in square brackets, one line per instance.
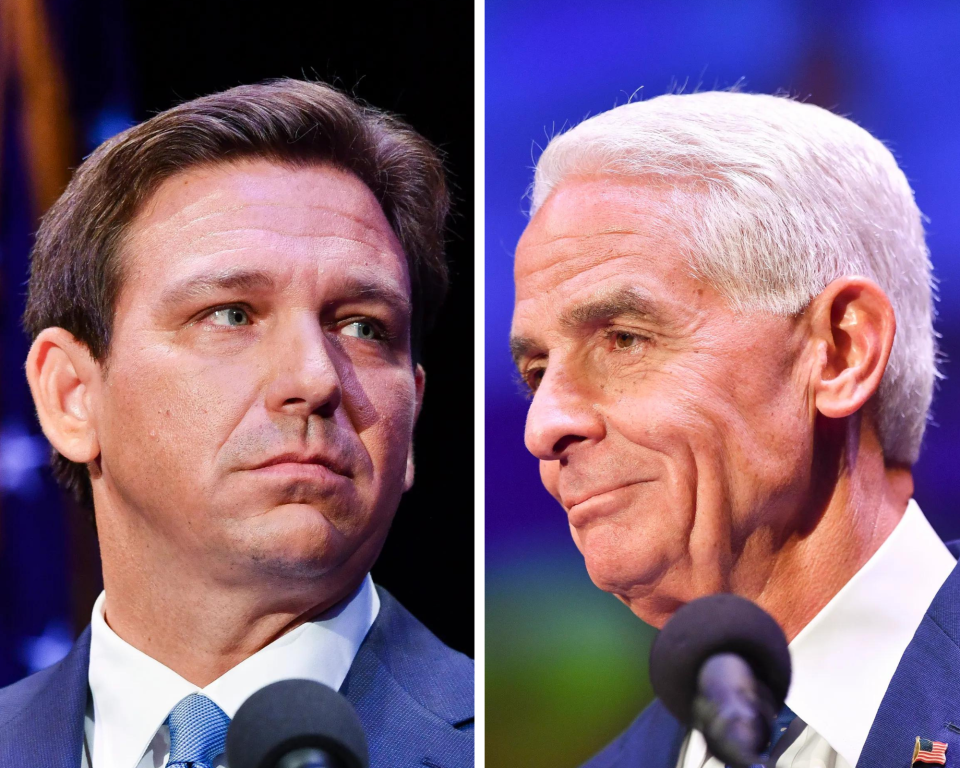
[793, 197]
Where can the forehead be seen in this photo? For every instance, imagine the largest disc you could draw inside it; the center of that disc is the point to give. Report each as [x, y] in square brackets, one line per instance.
[297, 222]
[599, 236]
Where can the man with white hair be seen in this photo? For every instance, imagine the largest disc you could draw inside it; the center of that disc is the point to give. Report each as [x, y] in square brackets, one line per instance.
[724, 315]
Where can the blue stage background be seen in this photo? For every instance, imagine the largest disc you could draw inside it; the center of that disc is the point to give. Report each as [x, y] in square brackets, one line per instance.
[566, 664]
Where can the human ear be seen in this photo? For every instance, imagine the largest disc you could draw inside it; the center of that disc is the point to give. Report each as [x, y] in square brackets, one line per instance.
[419, 379]
[853, 323]
[62, 375]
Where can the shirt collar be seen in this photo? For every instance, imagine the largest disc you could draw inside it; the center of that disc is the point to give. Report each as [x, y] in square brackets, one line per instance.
[133, 693]
[845, 658]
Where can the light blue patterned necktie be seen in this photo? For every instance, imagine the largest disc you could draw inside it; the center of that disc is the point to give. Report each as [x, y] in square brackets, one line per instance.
[198, 732]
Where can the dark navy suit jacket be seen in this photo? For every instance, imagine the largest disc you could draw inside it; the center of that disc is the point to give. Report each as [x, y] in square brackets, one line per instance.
[923, 699]
[413, 694]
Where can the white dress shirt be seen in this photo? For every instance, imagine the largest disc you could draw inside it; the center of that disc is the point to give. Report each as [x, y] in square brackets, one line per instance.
[844, 659]
[132, 694]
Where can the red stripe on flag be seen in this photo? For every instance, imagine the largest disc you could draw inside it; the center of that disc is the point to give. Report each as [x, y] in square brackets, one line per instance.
[937, 755]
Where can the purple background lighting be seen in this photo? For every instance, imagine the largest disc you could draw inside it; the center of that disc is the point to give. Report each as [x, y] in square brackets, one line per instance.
[566, 664]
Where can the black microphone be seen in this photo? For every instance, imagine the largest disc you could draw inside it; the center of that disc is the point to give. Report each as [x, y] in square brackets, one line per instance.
[721, 665]
[296, 724]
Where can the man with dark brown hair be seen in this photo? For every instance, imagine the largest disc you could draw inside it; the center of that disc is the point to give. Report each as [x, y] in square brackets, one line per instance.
[226, 306]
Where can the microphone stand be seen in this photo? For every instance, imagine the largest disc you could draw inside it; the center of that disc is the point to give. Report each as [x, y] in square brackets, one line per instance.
[309, 757]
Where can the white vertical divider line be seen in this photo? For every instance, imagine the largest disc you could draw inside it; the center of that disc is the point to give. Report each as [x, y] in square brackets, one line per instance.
[479, 337]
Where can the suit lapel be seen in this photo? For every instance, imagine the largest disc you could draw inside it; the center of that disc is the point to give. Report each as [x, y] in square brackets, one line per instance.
[47, 731]
[416, 708]
[653, 740]
[661, 737]
[923, 698]
[400, 732]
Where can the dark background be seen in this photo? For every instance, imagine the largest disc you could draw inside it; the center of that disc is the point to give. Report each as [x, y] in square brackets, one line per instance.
[120, 62]
[567, 664]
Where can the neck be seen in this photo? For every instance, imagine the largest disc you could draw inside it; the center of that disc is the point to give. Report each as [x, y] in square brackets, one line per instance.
[201, 632]
[841, 527]
[195, 621]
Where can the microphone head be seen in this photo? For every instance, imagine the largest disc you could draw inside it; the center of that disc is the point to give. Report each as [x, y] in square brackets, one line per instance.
[295, 714]
[708, 626]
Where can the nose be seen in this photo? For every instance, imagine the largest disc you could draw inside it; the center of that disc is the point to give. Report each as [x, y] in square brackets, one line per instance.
[306, 378]
[562, 416]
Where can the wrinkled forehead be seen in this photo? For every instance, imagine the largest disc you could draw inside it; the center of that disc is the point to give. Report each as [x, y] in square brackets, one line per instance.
[602, 237]
[298, 216]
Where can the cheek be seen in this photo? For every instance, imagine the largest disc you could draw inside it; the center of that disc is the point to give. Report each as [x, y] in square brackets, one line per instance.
[663, 415]
[167, 417]
[381, 405]
[708, 404]
[747, 431]
[762, 404]
[675, 435]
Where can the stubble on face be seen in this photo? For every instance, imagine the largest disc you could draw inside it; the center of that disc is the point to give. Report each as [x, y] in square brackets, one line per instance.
[264, 313]
[674, 430]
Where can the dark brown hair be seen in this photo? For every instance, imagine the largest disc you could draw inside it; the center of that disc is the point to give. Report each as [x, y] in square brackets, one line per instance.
[76, 266]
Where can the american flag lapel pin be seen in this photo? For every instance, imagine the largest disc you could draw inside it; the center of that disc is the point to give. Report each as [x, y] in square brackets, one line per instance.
[930, 752]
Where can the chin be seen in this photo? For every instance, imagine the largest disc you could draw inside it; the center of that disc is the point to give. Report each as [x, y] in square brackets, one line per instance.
[294, 540]
[641, 589]
[621, 563]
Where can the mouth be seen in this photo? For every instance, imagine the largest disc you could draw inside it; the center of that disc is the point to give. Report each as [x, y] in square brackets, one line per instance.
[588, 507]
[313, 465]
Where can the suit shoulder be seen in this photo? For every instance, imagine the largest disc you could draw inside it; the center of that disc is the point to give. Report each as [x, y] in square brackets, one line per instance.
[15, 698]
[655, 736]
[53, 697]
[436, 676]
[945, 608]
[56, 687]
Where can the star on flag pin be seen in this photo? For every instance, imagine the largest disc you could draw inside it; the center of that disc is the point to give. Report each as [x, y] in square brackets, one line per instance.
[931, 752]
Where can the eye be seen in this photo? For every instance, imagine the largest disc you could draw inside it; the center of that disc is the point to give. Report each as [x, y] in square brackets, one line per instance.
[532, 379]
[626, 340]
[230, 316]
[363, 329]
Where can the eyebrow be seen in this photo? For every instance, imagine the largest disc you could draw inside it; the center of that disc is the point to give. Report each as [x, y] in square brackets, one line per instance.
[353, 287]
[371, 289]
[226, 280]
[522, 347]
[604, 307]
[622, 301]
